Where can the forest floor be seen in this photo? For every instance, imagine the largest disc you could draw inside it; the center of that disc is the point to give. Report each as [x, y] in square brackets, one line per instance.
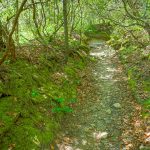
[107, 116]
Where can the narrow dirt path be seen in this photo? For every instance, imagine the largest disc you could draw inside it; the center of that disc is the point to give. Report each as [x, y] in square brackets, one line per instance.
[102, 120]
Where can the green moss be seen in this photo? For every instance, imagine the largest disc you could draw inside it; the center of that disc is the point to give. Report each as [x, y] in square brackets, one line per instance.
[29, 114]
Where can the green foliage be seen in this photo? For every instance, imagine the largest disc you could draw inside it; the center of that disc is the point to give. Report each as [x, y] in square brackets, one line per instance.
[64, 109]
[129, 51]
[1, 87]
[35, 91]
[147, 103]
[91, 29]
[27, 113]
[146, 85]
[146, 110]
[131, 80]
[59, 100]
[101, 31]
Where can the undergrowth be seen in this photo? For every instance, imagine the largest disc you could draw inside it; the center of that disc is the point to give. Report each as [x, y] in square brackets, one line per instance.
[100, 31]
[135, 57]
[35, 96]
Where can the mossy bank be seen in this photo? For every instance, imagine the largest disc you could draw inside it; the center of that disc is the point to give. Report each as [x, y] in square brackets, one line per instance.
[36, 91]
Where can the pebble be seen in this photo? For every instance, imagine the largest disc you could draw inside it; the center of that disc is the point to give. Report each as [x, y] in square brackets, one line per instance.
[65, 147]
[141, 147]
[117, 105]
[147, 140]
[100, 135]
[68, 148]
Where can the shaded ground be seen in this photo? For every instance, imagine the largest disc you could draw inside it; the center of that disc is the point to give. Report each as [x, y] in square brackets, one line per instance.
[107, 117]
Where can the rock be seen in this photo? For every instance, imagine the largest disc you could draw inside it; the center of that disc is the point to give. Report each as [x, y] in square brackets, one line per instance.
[117, 105]
[68, 148]
[147, 140]
[100, 135]
[142, 147]
[65, 147]
[84, 142]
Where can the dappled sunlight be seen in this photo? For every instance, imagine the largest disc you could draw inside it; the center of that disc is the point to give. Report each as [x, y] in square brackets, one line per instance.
[98, 54]
[109, 69]
[65, 147]
[73, 74]
[99, 135]
[103, 52]
[103, 117]
[106, 77]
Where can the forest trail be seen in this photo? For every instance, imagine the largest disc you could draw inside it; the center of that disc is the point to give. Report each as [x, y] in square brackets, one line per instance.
[103, 119]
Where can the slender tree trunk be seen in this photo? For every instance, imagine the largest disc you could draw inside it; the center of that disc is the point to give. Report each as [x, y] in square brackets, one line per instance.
[81, 22]
[17, 25]
[147, 29]
[65, 23]
[35, 21]
[10, 44]
[1, 36]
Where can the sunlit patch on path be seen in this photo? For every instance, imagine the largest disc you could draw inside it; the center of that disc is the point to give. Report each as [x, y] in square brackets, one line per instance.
[101, 120]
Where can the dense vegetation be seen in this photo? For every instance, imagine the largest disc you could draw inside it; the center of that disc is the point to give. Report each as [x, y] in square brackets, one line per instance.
[43, 51]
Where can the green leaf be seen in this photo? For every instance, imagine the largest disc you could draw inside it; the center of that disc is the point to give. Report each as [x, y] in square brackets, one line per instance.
[146, 102]
[67, 109]
[7, 62]
[34, 93]
[60, 100]
[56, 109]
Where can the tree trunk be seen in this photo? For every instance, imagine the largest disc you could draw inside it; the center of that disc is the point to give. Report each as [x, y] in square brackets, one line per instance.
[17, 25]
[65, 23]
[1, 37]
[147, 29]
[10, 44]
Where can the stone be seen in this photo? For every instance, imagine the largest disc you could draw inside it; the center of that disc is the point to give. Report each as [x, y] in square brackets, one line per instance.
[141, 147]
[147, 140]
[65, 147]
[100, 135]
[117, 105]
[68, 148]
